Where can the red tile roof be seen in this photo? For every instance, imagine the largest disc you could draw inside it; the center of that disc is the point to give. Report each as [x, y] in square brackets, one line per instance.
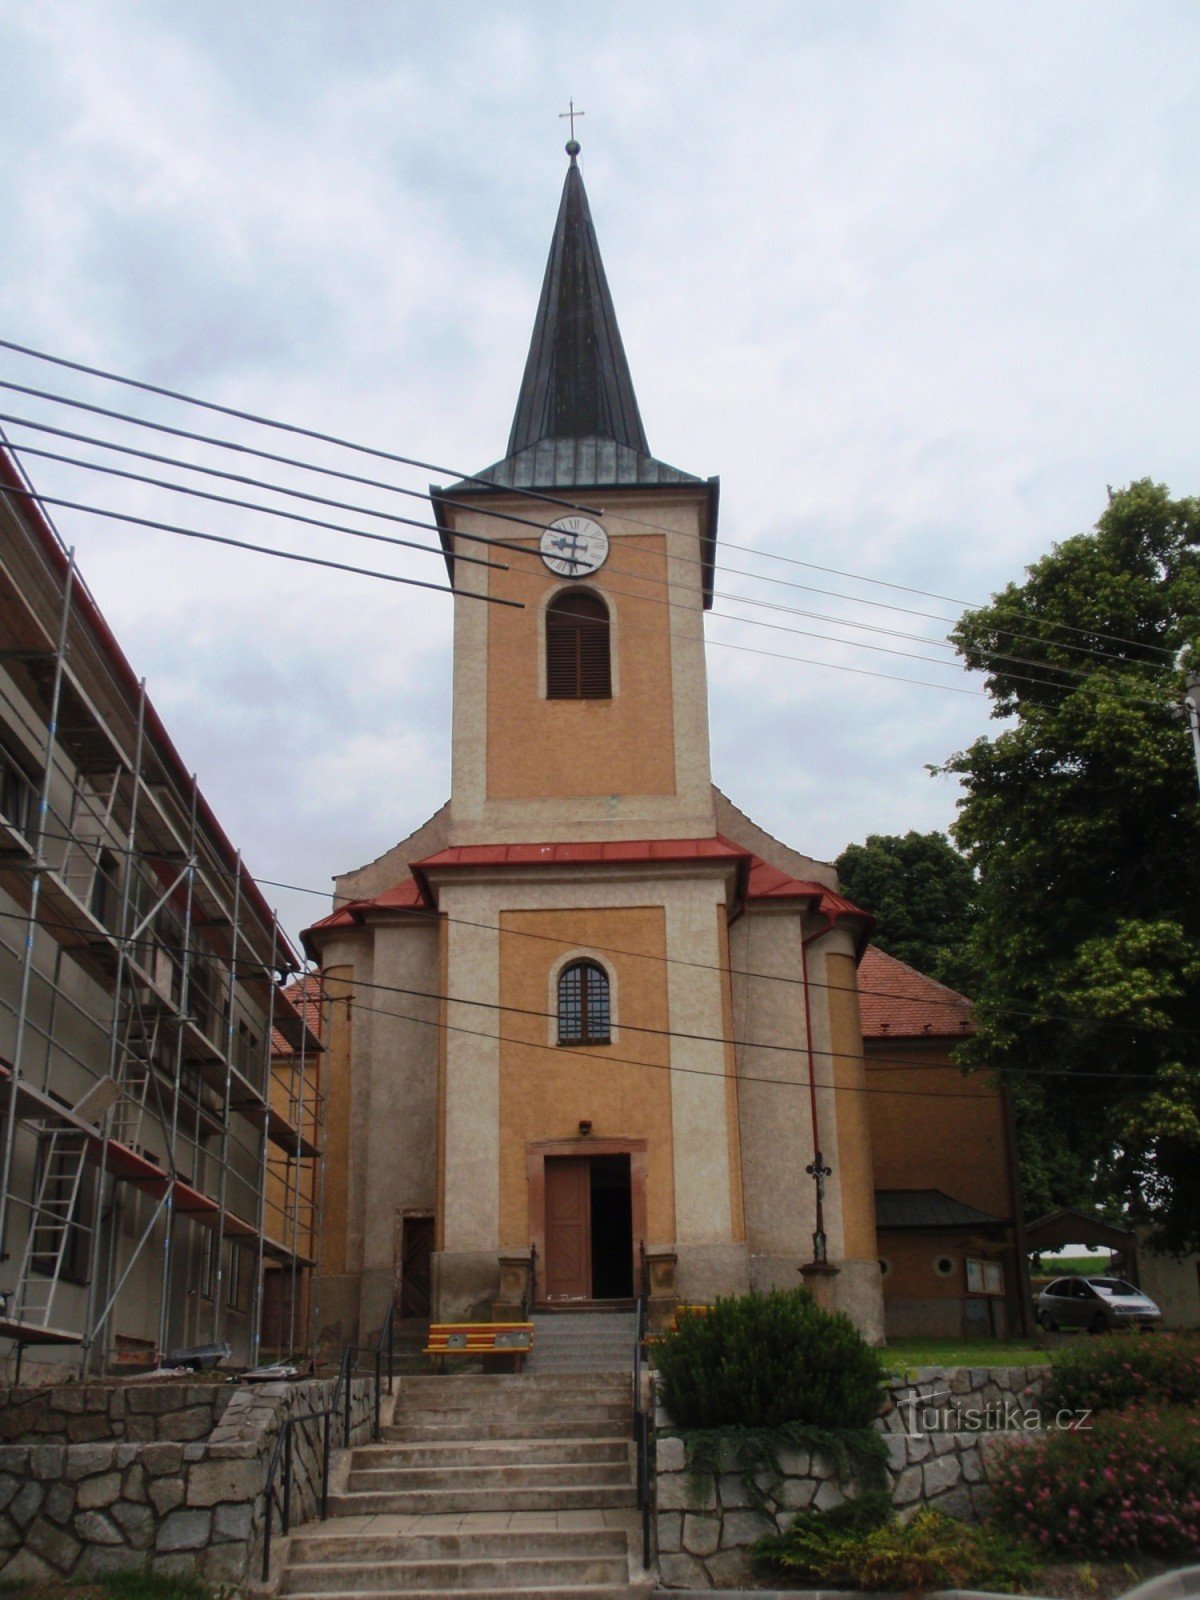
[305, 995]
[898, 1002]
[595, 850]
[758, 878]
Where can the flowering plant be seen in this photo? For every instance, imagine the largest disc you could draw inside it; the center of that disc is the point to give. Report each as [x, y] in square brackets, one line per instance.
[1107, 1374]
[1130, 1483]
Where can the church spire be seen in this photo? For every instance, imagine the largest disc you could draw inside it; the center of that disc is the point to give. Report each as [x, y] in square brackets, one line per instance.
[577, 383]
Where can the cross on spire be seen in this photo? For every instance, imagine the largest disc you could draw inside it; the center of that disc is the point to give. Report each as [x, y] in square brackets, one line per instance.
[572, 114]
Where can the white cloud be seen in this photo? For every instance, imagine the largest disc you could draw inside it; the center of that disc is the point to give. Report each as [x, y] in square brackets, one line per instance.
[916, 279]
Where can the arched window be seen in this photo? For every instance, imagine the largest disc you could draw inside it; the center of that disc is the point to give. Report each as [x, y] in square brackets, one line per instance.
[577, 647]
[583, 1009]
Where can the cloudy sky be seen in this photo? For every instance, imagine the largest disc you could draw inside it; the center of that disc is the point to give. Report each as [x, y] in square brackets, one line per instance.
[916, 279]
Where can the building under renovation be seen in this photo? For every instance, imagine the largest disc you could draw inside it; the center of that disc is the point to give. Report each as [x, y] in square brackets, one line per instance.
[160, 1108]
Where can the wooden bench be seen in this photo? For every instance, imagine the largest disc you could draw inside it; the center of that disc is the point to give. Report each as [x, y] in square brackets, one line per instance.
[513, 1339]
[652, 1339]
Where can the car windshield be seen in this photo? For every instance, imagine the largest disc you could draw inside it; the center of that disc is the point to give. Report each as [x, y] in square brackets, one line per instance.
[1113, 1286]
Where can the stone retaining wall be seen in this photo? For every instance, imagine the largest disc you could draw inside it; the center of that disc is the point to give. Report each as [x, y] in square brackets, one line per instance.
[82, 1413]
[706, 1523]
[177, 1507]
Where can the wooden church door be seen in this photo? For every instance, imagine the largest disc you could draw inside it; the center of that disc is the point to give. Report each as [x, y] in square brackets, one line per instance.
[568, 1228]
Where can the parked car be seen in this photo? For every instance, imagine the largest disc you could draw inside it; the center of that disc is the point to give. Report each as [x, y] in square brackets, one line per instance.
[1098, 1304]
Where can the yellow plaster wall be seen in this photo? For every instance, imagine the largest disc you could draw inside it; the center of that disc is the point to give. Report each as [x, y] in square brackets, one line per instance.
[856, 1178]
[545, 1090]
[539, 748]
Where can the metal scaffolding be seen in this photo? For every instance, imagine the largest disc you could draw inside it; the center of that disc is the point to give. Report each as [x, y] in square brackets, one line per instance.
[160, 1107]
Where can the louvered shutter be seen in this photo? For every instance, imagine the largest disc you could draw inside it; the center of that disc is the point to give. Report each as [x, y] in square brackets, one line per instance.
[577, 648]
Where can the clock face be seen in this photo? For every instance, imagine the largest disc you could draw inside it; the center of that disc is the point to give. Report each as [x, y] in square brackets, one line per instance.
[573, 547]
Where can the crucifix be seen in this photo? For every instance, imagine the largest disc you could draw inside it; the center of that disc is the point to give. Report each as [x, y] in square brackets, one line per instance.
[572, 113]
[818, 1172]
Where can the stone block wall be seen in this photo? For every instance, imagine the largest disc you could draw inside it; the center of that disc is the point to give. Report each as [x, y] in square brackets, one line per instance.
[705, 1524]
[176, 1507]
[83, 1413]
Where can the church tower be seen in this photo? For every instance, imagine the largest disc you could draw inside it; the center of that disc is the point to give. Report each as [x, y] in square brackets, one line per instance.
[550, 1077]
[584, 713]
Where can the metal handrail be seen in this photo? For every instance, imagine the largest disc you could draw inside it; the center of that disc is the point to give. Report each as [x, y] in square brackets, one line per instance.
[278, 1494]
[642, 1422]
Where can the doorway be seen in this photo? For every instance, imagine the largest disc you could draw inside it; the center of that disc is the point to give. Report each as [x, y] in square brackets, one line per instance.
[588, 1229]
[416, 1258]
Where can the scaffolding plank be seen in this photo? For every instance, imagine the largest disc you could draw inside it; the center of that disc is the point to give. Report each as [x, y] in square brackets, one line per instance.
[30, 1333]
[281, 1132]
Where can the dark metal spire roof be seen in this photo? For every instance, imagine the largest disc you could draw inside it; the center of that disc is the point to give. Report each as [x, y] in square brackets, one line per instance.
[577, 423]
[577, 383]
[577, 426]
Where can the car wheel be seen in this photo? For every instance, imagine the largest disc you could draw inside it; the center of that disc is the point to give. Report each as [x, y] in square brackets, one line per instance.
[1047, 1322]
[1099, 1323]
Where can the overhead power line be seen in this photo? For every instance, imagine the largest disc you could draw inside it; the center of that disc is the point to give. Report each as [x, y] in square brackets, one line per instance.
[242, 544]
[240, 967]
[275, 511]
[275, 488]
[539, 495]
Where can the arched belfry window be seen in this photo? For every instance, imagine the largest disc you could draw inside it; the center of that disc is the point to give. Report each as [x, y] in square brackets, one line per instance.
[578, 664]
[583, 1004]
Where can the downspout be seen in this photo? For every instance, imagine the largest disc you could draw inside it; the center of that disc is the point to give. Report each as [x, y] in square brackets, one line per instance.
[817, 1170]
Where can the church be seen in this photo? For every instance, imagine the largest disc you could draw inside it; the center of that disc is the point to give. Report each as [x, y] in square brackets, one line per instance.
[590, 1030]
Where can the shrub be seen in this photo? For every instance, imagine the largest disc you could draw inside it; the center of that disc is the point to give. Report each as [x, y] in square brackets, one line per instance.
[868, 1550]
[1107, 1374]
[764, 1360]
[1131, 1483]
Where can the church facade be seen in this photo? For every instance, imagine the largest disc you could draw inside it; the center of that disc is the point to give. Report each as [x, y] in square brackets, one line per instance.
[588, 1027]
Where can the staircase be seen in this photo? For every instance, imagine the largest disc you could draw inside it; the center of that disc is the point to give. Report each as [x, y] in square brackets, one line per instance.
[583, 1341]
[517, 1487]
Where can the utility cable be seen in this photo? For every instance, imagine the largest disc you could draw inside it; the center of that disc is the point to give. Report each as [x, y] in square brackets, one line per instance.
[256, 549]
[276, 488]
[485, 483]
[297, 517]
[240, 968]
[952, 1000]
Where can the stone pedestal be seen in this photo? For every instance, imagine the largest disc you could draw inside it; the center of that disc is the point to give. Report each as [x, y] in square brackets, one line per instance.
[663, 1294]
[514, 1287]
[820, 1279]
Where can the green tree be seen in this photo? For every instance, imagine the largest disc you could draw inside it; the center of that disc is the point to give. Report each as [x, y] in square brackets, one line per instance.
[921, 891]
[1083, 822]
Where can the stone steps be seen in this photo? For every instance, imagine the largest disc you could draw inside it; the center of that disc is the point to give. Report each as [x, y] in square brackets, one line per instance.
[500, 1452]
[516, 1567]
[596, 1342]
[495, 1444]
[513, 1429]
[321, 1548]
[547, 1591]
[522, 1475]
[549, 1497]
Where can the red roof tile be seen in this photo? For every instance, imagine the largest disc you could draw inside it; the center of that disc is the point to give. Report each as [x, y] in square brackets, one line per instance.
[305, 994]
[763, 881]
[898, 1002]
[595, 850]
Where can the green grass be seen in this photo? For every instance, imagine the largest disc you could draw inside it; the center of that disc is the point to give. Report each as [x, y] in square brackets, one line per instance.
[904, 1353]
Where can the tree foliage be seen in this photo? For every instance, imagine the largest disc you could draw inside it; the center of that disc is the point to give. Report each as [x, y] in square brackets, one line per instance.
[1082, 820]
[921, 891]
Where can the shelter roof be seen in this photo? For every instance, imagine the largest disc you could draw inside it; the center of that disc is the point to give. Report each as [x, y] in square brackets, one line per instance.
[898, 1002]
[928, 1208]
[1068, 1226]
